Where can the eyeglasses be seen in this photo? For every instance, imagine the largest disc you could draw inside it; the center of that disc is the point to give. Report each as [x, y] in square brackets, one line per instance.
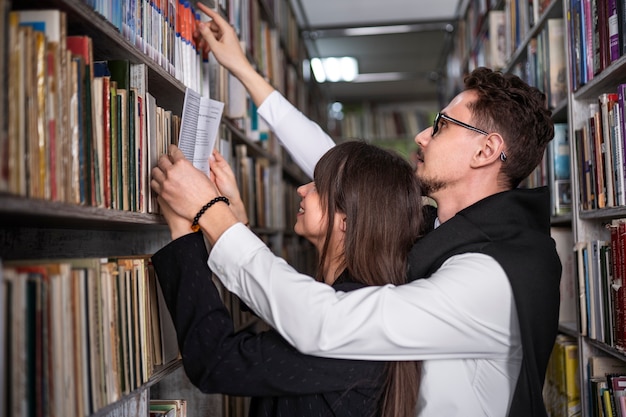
[456, 122]
[460, 123]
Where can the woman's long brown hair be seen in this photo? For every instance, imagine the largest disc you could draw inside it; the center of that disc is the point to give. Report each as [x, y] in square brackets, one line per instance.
[379, 194]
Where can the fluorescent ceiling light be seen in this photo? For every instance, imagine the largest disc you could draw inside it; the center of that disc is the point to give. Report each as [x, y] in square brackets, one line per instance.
[335, 69]
[383, 76]
[378, 30]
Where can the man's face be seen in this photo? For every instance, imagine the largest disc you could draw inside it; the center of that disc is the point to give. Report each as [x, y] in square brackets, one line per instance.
[444, 158]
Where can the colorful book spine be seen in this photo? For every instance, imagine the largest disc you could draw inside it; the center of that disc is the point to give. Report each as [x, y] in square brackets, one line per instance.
[613, 27]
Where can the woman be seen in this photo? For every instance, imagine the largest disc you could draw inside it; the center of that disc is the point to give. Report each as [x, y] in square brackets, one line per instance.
[357, 233]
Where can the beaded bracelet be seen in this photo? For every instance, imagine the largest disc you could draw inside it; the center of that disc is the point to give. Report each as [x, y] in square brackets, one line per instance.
[195, 226]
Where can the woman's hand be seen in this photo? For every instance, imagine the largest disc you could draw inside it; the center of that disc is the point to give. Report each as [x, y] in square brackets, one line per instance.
[224, 177]
[181, 185]
[219, 37]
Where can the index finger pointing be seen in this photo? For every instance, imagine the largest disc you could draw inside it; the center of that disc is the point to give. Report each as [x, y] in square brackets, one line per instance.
[209, 12]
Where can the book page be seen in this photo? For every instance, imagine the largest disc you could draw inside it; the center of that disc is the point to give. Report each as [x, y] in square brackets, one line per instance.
[199, 128]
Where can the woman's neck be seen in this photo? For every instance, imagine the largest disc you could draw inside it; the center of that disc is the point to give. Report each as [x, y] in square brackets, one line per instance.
[334, 260]
[334, 267]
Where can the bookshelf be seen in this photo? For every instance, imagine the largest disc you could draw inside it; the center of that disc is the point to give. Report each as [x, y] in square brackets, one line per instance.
[88, 230]
[597, 67]
[532, 39]
[592, 109]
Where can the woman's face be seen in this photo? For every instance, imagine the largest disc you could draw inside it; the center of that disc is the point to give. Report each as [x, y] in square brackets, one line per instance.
[311, 220]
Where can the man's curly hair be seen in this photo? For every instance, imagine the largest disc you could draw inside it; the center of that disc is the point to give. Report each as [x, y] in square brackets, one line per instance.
[518, 112]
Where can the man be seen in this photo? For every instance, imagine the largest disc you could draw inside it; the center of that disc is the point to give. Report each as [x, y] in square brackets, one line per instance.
[485, 320]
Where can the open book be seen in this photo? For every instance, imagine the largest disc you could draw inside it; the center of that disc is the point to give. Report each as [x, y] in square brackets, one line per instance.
[199, 126]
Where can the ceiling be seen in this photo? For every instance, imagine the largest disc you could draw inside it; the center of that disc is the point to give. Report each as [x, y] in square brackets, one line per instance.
[410, 47]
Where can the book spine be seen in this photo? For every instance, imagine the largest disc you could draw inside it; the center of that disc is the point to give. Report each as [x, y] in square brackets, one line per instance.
[619, 126]
[617, 291]
[106, 147]
[620, 7]
[613, 27]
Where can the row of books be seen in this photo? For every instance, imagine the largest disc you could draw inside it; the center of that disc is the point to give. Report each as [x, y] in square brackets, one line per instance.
[569, 297]
[254, 20]
[168, 408]
[554, 171]
[521, 17]
[368, 121]
[260, 39]
[561, 390]
[269, 34]
[512, 21]
[260, 184]
[475, 15]
[163, 30]
[278, 13]
[299, 251]
[491, 50]
[544, 64]
[607, 387]
[600, 151]
[80, 131]
[274, 43]
[600, 310]
[601, 269]
[598, 37]
[81, 333]
[241, 315]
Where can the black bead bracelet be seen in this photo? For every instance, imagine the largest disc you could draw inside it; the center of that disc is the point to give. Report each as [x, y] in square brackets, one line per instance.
[195, 226]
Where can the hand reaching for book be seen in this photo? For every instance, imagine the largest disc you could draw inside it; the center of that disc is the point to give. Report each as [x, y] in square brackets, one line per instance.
[188, 191]
[181, 185]
[224, 177]
[219, 37]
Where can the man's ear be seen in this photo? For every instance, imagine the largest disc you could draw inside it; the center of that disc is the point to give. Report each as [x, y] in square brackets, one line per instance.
[492, 148]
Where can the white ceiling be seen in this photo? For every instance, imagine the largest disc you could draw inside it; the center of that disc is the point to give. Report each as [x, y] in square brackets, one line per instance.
[417, 54]
[347, 13]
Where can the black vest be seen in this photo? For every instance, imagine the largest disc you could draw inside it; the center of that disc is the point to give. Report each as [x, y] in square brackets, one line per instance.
[513, 227]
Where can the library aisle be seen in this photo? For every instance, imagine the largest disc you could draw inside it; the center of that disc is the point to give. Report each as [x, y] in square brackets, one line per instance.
[92, 94]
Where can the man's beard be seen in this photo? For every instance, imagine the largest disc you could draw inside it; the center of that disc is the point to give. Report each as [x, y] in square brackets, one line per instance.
[430, 185]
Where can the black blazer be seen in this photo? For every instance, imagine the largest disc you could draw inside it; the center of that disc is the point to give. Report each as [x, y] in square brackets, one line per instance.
[264, 366]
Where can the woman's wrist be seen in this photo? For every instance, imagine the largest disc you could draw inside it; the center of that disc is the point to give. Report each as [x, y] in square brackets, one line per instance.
[239, 210]
[221, 218]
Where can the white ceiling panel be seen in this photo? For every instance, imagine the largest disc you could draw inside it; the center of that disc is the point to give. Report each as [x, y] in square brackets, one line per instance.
[417, 55]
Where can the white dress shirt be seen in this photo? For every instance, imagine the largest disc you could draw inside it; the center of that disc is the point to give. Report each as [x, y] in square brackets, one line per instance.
[461, 322]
